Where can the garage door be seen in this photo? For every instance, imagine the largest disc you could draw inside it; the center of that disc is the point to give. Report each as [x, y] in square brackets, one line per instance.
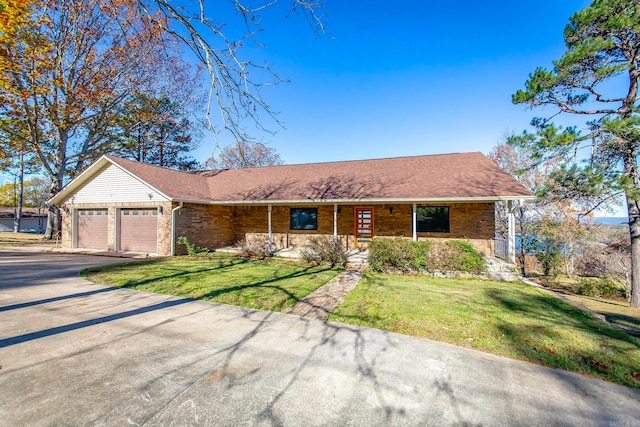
[92, 229]
[139, 230]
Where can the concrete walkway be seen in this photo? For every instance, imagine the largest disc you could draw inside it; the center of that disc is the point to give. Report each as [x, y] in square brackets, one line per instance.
[320, 303]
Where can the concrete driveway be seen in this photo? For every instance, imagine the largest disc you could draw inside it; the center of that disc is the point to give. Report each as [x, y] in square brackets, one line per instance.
[75, 353]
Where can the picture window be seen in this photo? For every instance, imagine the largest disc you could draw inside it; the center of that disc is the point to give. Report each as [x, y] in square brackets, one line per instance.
[304, 219]
[433, 219]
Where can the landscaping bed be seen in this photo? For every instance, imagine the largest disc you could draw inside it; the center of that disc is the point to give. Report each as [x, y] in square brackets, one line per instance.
[510, 319]
[263, 284]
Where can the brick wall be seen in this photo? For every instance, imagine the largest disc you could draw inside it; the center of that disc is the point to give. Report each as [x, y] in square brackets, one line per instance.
[472, 221]
[215, 226]
[208, 226]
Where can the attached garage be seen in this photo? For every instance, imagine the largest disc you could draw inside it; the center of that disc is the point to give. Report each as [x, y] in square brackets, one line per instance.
[92, 228]
[138, 230]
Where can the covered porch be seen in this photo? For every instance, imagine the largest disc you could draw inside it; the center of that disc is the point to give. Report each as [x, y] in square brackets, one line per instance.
[353, 226]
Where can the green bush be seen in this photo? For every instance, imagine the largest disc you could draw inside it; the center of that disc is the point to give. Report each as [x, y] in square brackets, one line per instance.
[550, 260]
[405, 256]
[420, 255]
[600, 287]
[392, 255]
[322, 250]
[192, 250]
[455, 255]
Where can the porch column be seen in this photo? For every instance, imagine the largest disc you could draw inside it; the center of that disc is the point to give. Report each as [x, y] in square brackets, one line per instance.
[335, 224]
[415, 222]
[269, 222]
[511, 233]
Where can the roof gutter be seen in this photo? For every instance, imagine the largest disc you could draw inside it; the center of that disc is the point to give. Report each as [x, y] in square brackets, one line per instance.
[364, 200]
[173, 228]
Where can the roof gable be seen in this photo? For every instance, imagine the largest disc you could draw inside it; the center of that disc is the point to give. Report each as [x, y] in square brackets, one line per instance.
[113, 184]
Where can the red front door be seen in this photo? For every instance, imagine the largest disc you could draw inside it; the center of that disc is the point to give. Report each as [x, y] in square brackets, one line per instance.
[364, 226]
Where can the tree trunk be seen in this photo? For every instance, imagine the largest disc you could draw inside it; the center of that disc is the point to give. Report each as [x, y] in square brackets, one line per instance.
[54, 219]
[18, 213]
[633, 209]
[634, 232]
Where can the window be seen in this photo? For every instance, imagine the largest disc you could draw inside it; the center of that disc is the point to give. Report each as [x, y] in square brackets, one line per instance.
[433, 218]
[304, 219]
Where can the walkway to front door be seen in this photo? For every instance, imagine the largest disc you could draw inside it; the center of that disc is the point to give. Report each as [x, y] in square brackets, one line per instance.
[320, 303]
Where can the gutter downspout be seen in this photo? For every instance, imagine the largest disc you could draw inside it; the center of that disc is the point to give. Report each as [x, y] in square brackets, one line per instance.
[173, 228]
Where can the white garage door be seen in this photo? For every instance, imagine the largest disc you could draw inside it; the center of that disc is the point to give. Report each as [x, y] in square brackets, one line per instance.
[92, 228]
[139, 230]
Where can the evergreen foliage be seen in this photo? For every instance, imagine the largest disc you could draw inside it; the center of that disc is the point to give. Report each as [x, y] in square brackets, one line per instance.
[597, 77]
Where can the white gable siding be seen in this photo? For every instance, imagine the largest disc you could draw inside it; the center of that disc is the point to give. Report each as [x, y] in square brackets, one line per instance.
[114, 185]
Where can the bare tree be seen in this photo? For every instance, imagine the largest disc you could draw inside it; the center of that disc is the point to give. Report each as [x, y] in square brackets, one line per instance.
[244, 155]
[235, 79]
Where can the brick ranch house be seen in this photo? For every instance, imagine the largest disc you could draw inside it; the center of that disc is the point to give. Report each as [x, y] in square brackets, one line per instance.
[122, 205]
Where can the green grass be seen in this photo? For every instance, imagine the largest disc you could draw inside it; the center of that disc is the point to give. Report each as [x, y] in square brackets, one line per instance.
[8, 239]
[266, 284]
[510, 319]
[616, 311]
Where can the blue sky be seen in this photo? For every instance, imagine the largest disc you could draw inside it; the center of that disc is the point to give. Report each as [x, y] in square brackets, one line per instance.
[393, 79]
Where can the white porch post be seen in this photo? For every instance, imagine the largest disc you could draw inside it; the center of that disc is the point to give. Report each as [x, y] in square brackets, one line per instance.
[269, 232]
[511, 233]
[335, 224]
[415, 222]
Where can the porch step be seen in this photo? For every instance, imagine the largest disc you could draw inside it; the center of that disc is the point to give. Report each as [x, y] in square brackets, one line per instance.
[499, 269]
[506, 276]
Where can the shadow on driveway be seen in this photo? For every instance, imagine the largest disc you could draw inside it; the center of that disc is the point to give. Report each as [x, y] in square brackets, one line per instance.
[91, 322]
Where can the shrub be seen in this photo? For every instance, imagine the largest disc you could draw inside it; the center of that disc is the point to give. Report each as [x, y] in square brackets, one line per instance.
[456, 255]
[420, 255]
[392, 255]
[550, 260]
[192, 250]
[257, 247]
[601, 287]
[322, 250]
[404, 256]
[467, 258]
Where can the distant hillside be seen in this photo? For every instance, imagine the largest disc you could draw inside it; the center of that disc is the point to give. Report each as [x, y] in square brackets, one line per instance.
[611, 220]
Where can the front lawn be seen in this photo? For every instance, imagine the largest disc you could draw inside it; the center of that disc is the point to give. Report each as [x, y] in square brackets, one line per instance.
[8, 239]
[510, 319]
[267, 284]
[617, 311]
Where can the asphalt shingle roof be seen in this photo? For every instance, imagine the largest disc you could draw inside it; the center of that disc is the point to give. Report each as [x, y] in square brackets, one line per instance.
[443, 176]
